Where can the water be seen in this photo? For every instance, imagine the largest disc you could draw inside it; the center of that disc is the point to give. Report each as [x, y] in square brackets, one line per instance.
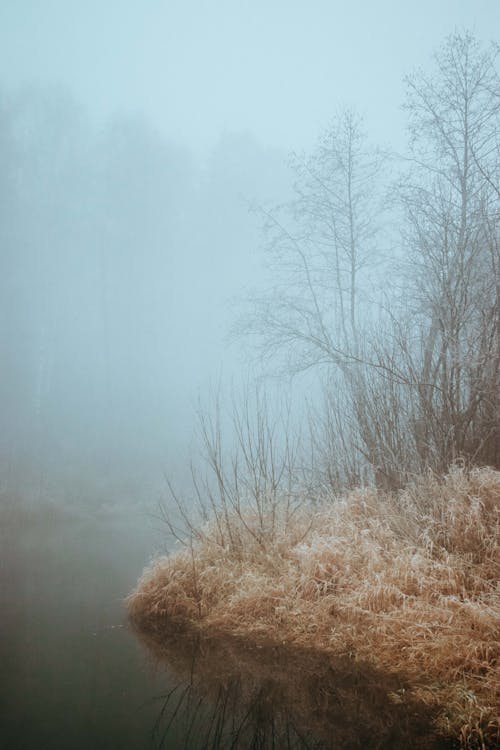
[75, 675]
[72, 676]
[229, 694]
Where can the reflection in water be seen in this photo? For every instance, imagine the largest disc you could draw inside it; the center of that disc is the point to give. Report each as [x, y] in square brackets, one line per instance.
[230, 695]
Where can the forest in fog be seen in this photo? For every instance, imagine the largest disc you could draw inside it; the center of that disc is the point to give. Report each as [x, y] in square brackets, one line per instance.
[120, 258]
[126, 261]
[249, 345]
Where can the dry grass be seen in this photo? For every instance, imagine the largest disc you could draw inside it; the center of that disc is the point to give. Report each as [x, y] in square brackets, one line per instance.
[406, 583]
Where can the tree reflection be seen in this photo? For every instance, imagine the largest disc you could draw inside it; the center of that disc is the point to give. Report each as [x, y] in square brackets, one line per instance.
[229, 694]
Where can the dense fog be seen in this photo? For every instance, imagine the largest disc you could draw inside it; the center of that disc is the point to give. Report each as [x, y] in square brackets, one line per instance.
[249, 265]
[121, 258]
[134, 140]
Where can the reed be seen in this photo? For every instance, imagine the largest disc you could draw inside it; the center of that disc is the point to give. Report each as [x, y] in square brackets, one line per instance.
[407, 582]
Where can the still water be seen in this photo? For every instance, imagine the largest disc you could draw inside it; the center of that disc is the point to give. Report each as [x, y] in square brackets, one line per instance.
[74, 675]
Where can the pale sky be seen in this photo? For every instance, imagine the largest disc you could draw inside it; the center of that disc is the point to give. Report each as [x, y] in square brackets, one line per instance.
[196, 68]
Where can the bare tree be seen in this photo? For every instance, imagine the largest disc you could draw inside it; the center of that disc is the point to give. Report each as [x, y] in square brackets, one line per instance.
[427, 392]
[419, 389]
[318, 244]
[451, 233]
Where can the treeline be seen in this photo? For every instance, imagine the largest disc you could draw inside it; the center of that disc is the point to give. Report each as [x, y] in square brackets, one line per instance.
[118, 251]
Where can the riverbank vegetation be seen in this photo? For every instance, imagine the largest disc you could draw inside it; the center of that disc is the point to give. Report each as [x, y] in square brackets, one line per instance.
[375, 536]
[406, 582]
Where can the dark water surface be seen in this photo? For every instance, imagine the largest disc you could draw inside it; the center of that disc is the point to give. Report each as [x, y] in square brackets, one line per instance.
[74, 675]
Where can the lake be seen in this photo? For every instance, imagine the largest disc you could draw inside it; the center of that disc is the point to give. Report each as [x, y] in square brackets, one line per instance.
[75, 675]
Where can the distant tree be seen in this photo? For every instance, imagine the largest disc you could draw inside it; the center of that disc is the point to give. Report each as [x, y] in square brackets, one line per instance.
[319, 243]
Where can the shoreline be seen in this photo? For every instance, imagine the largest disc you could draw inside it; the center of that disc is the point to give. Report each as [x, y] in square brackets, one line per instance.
[406, 583]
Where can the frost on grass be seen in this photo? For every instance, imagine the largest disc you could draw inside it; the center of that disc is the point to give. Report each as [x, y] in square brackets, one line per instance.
[407, 582]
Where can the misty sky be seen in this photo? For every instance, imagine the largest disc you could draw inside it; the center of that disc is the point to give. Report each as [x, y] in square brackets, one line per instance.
[134, 136]
[196, 68]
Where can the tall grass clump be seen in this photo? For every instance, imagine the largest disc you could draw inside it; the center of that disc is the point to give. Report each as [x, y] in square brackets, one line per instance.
[405, 581]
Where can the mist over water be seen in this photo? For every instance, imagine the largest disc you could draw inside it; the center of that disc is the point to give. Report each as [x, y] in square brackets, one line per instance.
[120, 259]
[141, 146]
[71, 675]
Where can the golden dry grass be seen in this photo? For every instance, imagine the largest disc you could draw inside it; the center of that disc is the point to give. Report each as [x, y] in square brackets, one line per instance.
[407, 583]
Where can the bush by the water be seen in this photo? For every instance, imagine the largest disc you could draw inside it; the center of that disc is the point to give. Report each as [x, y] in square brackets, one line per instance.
[407, 581]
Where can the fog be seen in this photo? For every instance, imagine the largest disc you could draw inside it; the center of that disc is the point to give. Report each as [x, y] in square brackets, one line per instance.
[145, 149]
[133, 140]
[121, 257]
[197, 68]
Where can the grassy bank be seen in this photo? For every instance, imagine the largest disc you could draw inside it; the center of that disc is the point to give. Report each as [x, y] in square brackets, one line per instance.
[407, 583]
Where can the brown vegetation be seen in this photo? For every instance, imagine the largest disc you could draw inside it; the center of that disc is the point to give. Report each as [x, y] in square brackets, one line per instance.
[406, 583]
